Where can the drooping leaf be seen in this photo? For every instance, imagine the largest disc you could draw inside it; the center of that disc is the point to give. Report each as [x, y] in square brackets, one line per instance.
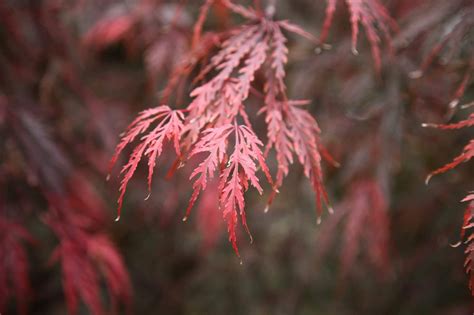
[222, 87]
[14, 279]
[363, 216]
[468, 224]
[375, 19]
[467, 153]
[169, 125]
[234, 180]
[214, 143]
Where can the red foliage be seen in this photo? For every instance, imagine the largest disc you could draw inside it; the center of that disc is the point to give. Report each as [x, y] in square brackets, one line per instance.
[84, 254]
[214, 142]
[373, 15]
[365, 213]
[468, 151]
[212, 116]
[293, 129]
[54, 96]
[14, 280]
[83, 258]
[239, 171]
[109, 31]
[467, 225]
[450, 39]
[169, 127]
[466, 155]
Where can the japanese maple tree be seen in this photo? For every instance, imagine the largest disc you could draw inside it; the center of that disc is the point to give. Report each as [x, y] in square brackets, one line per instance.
[218, 110]
[247, 100]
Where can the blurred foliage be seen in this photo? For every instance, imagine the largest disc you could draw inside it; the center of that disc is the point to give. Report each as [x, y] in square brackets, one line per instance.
[75, 73]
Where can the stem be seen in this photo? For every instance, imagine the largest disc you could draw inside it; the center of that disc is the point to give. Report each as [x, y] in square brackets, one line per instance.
[258, 6]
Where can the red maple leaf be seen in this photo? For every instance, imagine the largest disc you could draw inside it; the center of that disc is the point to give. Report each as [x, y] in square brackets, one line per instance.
[234, 180]
[292, 130]
[466, 155]
[364, 212]
[469, 251]
[14, 265]
[240, 170]
[468, 151]
[169, 127]
[375, 18]
[214, 143]
[222, 88]
[84, 252]
[83, 257]
[109, 31]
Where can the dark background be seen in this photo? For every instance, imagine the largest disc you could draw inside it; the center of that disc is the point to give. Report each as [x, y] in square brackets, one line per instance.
[71, 81]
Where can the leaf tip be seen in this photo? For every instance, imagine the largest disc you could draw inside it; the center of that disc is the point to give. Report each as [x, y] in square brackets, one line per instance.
[415, 74]
[148, 196]
[427, 179]
[453, 103]
[456, 244]
[326, 46]
[429, 125]
[464, 106]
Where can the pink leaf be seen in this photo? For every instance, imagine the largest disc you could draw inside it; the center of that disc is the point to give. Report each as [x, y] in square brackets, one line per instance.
[465, 156]
[372, 15]
[169, 127]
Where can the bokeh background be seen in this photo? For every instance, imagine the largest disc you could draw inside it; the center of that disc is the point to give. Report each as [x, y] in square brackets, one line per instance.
[73, 75]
